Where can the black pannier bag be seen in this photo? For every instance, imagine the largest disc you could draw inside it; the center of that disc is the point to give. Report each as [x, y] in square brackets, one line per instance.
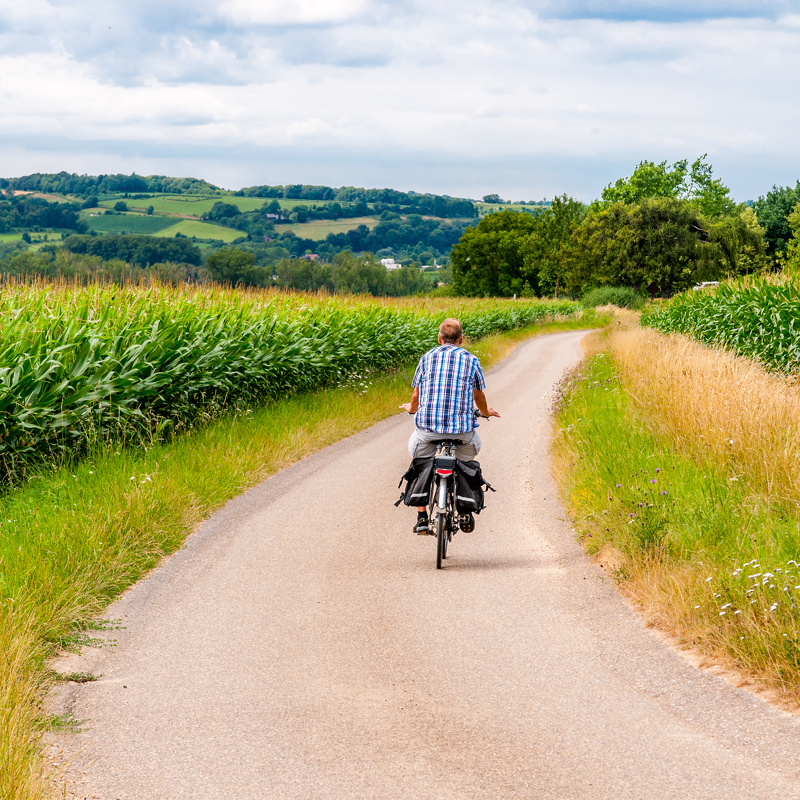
[418, 480]
[469, 487]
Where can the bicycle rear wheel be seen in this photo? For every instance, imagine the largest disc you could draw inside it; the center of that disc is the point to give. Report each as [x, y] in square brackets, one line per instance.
[441, 540]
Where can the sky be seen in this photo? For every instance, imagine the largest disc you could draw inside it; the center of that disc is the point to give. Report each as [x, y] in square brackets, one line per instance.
[524, 98]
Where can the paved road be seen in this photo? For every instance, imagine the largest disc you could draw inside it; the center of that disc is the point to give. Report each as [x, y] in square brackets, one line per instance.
[303, 645]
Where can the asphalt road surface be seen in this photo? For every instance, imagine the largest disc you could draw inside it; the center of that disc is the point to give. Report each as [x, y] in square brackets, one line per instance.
[303, 645]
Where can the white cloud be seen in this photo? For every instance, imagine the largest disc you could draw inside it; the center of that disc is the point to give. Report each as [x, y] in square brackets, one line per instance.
[293, 12]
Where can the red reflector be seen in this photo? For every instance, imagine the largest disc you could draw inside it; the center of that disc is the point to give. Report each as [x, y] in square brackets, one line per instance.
[444, 472]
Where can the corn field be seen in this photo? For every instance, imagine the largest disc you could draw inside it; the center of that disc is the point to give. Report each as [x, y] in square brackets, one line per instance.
[757, 318]
[87, 367]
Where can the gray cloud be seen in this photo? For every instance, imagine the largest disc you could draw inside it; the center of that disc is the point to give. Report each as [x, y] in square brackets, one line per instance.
[411, 94]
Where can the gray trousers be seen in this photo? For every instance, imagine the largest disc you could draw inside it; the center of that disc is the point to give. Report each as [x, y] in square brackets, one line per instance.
[420, 444]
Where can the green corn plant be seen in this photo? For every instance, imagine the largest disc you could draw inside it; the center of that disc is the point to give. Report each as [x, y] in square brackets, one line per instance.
[87, 366]
[756, 318]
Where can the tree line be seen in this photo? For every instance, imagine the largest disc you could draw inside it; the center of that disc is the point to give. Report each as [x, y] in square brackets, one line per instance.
[33, 213]
[374, 201]
[87, 185]
[345, 272]
[659, 231]
[132, 258]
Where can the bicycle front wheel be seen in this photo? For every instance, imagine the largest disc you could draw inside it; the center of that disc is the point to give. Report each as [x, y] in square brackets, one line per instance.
[441, 540]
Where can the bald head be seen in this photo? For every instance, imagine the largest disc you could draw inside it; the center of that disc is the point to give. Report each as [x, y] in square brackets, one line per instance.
[451, 332]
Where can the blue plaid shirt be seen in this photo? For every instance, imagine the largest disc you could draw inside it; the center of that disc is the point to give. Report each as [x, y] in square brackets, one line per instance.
[446, 377]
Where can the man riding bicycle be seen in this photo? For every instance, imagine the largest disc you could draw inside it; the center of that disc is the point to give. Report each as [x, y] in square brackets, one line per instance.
[448, 384]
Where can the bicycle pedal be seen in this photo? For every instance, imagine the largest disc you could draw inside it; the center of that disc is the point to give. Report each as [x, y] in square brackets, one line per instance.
[466, 522]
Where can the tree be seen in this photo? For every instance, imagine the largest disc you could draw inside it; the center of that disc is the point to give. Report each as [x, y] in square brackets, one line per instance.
[708, 193]
[222, 211]
[405, 281]
[550, 239]
[120, 205]
[648, 180]
[792, 263]
[678, 182]
[358, 274]
[273, 207]
[489, 258]
[492, 198]
[660, 245]
[304, 275]
[736, 246]
[773, 212]
[230, 265]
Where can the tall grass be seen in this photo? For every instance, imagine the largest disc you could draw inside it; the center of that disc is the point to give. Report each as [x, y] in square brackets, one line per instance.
[94, 365]
[718, 407]
[754, 317]
[679, 463]
[21, 680]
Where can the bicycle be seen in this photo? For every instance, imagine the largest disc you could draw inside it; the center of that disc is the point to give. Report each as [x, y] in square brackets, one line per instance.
[442, 511]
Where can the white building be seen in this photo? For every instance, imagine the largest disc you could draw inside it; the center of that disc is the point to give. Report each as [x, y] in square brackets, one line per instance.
[390, 263]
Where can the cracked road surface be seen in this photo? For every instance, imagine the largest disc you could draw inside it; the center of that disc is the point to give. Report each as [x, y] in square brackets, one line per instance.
[303, 645]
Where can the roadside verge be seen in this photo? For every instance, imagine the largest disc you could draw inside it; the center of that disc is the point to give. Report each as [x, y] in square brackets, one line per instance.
[675, 461]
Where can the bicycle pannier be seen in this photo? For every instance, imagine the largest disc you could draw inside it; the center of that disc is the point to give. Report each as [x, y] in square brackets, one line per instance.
[418, 479]
[469, 487]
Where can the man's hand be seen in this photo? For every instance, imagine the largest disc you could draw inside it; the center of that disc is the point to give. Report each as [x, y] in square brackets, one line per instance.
[483, 406]
[412, 406]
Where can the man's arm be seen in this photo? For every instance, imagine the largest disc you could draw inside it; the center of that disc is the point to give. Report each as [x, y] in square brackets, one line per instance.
[483, 407]
[412, 406]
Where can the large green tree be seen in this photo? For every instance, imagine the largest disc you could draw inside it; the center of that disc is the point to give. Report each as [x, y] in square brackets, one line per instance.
[661, 246]
[490, 258]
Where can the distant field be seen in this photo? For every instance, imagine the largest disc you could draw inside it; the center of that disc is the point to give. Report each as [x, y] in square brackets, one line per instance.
[129, 223]
[37, 239]
[190, 205]
[319, 229]
[51, 198]
[202, 230]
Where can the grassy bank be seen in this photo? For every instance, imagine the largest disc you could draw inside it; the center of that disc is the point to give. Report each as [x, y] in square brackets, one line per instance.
[70, 541]
[678, 463]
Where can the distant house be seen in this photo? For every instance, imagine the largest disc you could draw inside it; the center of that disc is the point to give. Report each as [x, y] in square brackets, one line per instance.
[310, 256]
[390, 263]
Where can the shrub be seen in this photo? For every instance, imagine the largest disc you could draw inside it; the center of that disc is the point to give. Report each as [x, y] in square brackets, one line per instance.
[620, 296]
